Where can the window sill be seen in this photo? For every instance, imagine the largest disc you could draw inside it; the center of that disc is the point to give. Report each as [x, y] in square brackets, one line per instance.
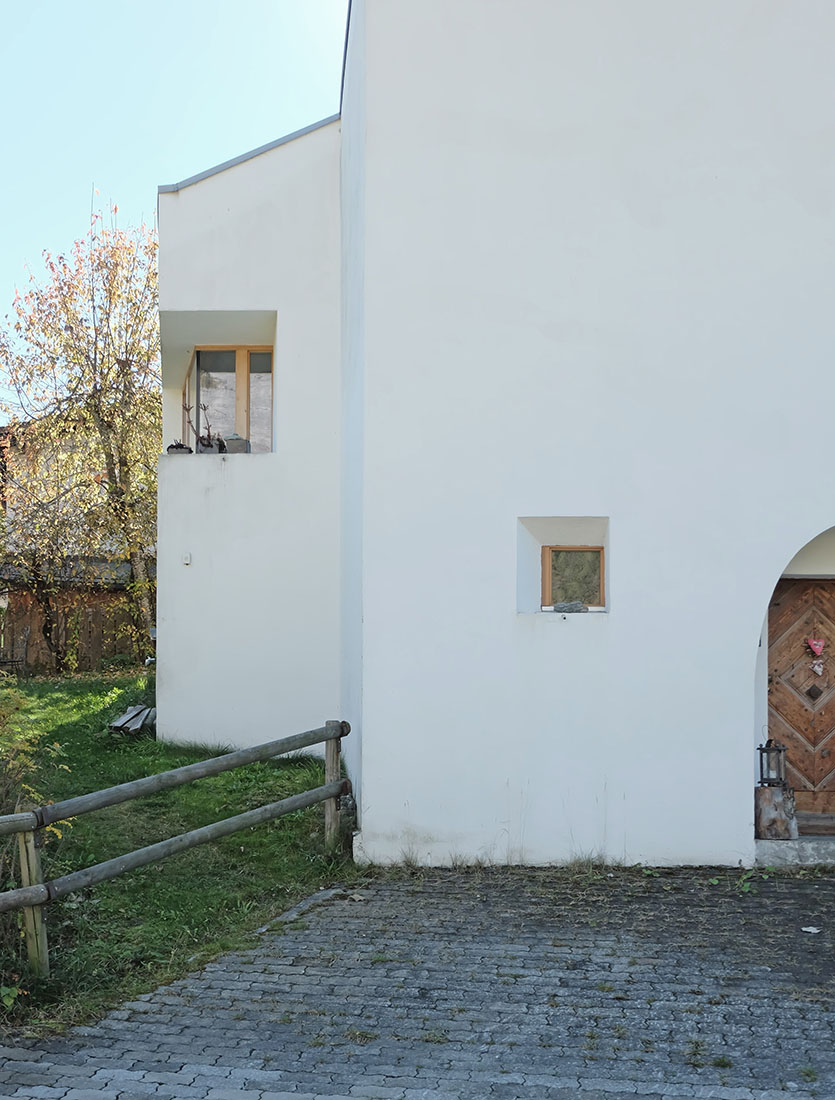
[568, 610]
[217, 454]
[559, 616]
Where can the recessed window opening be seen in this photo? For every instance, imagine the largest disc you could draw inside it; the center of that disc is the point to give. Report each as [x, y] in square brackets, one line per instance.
[573, 575]
[231, 391]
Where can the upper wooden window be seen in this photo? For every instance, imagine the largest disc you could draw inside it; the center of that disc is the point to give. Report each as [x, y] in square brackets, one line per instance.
[235, 384]
[573, 574]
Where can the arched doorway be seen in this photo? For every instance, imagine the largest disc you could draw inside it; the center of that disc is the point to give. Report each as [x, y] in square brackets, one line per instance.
[801, 680]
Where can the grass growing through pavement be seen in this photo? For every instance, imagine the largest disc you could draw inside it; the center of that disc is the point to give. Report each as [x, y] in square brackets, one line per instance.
[151, 925]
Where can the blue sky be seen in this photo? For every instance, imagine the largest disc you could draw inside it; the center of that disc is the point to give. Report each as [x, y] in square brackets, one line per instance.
[122, 96]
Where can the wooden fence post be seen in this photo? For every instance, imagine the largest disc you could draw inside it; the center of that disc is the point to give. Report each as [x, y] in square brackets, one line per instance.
[33, 919]
[332, 774]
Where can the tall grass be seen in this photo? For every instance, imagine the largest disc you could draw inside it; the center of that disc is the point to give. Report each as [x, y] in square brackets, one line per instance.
[126, 936]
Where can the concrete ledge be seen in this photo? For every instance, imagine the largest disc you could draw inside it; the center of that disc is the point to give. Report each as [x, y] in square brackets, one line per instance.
[807, 851]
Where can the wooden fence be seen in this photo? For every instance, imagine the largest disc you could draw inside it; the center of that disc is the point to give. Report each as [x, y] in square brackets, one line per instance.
[93, 625]
[36, 893]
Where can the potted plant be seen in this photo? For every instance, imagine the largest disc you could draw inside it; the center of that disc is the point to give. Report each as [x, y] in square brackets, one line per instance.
[179, 448]
[207, 442]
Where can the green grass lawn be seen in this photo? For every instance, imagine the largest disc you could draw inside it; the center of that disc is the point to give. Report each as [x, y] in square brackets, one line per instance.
[147, 927]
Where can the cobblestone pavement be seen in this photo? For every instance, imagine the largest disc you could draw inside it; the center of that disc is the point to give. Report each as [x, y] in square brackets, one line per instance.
[498, 983]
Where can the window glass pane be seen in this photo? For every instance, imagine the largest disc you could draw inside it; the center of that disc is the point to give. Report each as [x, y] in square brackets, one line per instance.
[575, 575]
[260, 401]
[222, 362]
[260, 362]
[216, 390]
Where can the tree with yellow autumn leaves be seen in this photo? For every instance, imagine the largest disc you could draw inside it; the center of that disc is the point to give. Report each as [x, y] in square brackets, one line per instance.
[80, 364]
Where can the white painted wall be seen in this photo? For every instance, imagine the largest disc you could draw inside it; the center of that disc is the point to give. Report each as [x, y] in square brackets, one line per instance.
[585, 259]
[248, 646]
[597, 261]
[248, 627]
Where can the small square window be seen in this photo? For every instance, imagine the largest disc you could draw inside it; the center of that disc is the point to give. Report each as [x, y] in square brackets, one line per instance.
[572, 574]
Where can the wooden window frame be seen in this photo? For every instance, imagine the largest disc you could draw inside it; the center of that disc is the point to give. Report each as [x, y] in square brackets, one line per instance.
[191, 392]
[187, 401]
[547, 594]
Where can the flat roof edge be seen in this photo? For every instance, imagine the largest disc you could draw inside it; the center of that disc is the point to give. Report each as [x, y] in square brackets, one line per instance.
[166, 188]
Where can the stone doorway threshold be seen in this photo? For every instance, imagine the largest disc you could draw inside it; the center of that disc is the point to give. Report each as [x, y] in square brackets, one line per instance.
[804, 852]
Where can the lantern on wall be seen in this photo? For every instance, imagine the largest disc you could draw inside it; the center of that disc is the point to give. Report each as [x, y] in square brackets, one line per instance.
[772, 764]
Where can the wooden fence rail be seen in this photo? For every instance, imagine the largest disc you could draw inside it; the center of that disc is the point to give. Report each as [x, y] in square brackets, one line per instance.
[35, 892]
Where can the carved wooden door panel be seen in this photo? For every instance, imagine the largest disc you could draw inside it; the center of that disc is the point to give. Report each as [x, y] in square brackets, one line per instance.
[801, 689]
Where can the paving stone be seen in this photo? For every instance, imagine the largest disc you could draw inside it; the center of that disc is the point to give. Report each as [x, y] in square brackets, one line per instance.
[287, 1096]
[27, 1065]
[202, 1070]
[91, 1094]
[166, 1077]
[60, 1069]
[233, 1094]
[376, 1092]
[44, 1092]
[607, 1085]
[117, 1076]
[488, 985]
[207, 1083]
[180, 1092]
[28, 1079]
[428, 1094]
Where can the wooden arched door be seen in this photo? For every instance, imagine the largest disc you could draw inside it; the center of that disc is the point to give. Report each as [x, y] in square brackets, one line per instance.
[801, 694]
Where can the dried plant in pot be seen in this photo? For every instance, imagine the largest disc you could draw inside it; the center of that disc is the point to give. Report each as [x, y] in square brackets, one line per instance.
[207, 442]
[179, 448]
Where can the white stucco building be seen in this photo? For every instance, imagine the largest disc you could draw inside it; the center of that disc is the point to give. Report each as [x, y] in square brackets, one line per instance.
[548, 304]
